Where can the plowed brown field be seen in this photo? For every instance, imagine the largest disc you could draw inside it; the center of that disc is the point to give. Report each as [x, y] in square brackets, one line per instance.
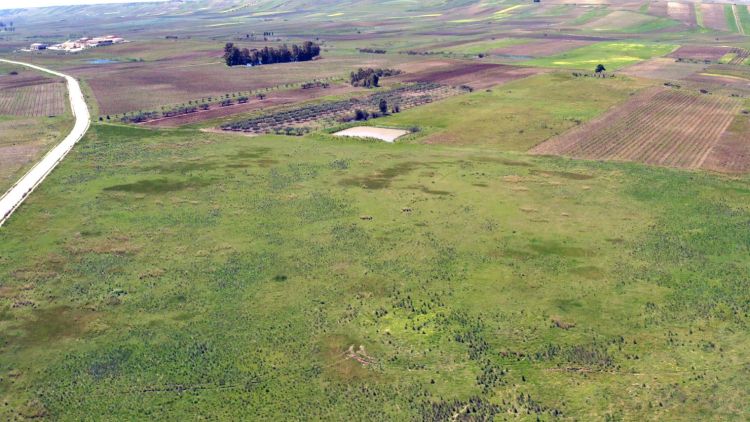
[45, 98]
[732, 153]
[683, 12]
[476, 75]
[667, 127]
[713, 16]
[700, 52]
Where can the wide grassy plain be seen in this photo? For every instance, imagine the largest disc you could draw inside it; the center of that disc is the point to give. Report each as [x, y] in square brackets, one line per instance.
[174, 272]
[181, 274]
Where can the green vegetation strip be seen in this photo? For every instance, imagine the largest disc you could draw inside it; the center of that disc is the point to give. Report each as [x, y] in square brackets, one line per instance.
[613, 55]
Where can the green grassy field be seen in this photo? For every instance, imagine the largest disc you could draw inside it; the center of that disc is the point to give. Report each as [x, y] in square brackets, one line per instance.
[159, 274]
[729, 15]
[515, 116]
[613, 55]
[178, 274]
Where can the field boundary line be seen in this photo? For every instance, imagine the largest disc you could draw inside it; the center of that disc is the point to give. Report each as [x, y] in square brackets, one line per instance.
[14, 197]
[737, 19]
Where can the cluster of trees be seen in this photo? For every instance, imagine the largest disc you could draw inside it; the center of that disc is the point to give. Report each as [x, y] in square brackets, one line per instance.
[268, 55]
[361, 115]
[369, 78]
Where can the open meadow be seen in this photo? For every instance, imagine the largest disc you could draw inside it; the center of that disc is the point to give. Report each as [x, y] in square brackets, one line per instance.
[557, 226]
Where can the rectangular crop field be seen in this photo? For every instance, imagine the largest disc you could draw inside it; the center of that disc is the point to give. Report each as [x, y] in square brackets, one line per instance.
[732, 153]
[41, 99]
[683, 12]
[713, 16]
[659, 126]
[612, 54]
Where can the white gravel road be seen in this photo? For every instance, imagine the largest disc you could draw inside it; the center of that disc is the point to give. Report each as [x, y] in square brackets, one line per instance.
[15, 196]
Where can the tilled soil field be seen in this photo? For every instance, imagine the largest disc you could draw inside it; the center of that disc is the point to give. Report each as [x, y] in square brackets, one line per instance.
[475, 75]
[667, 127]
[713, 16]
[700, 52]
[732, 153]
[541, 48]
[683, 12]
[46, 98]
[663, 68]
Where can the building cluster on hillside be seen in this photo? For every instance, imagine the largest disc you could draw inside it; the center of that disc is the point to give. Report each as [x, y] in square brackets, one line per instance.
[80, 44]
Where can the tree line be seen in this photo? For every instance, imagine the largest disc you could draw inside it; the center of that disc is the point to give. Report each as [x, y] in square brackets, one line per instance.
[235, 56]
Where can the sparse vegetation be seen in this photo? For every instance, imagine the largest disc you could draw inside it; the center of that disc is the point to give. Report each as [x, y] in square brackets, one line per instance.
[370, 78]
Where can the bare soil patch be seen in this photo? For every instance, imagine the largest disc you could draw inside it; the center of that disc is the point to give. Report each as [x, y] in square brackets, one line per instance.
[683, 12]
[663, 68]
[713, 16]
[732, 153]
[700, 52]
[658, 126]
[541, 48]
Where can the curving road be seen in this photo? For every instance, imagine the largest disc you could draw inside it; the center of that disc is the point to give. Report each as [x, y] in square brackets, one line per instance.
[13, 198]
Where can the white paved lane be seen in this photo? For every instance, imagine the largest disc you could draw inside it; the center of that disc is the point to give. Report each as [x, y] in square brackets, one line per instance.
[10, 201]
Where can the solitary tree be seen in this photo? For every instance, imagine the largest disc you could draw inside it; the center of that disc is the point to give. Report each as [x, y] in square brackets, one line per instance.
[383, 106]
[600, 68]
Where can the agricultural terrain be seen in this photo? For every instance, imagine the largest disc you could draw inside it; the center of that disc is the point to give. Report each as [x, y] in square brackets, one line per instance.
[560, 230]
[33, 117]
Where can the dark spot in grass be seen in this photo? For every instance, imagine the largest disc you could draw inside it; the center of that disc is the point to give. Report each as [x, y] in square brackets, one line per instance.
[504, 161]
[567, 305]
[266, 162]
[109, 365]
[238, 165]
[383, 178]
[556, 248]
[589, 272]
[155, 186]
[481, 185]
[182, 167]
[280, 277]
[563, 174]
[427, 190]
[257, 153]
[50, 324]
[5, 314]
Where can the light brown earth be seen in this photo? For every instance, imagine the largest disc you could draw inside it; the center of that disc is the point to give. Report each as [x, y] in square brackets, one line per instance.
[713, 16]
[541, 48]
[663, 68]
[700, 52]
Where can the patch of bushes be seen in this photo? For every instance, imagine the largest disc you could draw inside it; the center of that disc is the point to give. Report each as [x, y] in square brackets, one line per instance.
[369, 78]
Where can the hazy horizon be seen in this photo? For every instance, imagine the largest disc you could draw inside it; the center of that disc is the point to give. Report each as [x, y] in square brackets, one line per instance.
[23, 4]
